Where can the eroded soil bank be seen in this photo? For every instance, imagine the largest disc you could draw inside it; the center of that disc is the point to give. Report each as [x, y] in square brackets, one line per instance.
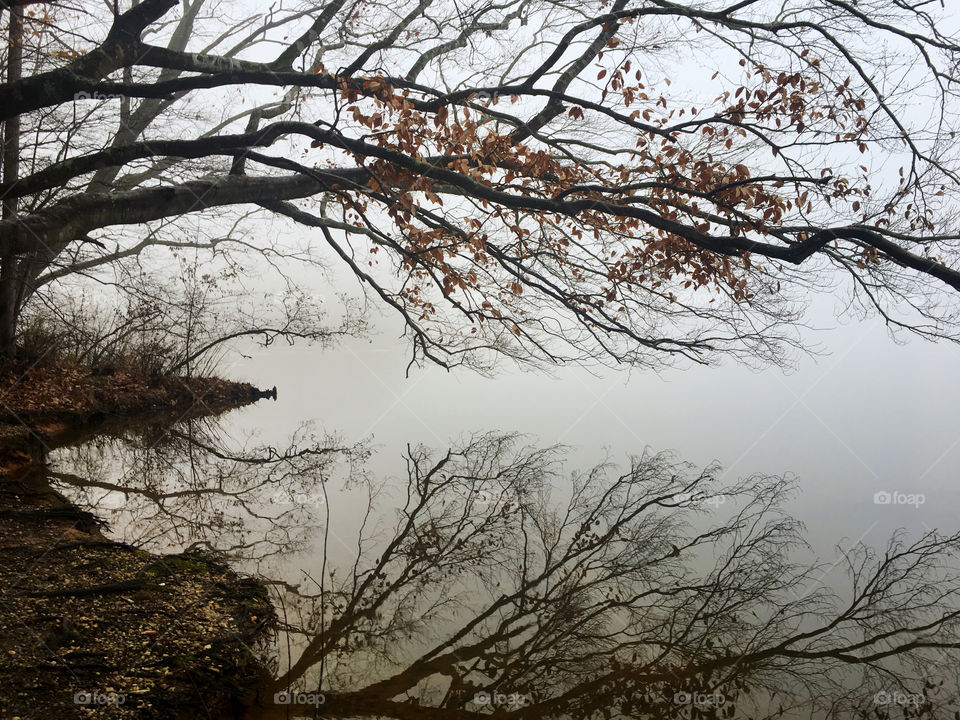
[95, 628]
[46, 407]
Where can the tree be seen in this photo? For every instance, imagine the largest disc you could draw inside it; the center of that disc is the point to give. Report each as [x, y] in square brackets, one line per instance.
[488, 580]
[521, 177]
[11, 162]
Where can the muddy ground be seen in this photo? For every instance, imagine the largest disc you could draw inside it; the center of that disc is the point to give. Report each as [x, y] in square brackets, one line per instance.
[92, 628]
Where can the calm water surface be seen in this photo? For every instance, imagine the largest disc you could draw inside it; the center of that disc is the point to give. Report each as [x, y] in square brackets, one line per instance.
[298, 489]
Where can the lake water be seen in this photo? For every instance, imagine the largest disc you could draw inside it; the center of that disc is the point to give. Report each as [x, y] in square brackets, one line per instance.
[869, 434]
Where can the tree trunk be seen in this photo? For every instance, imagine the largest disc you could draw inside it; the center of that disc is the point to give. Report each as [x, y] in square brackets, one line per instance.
[11, 161]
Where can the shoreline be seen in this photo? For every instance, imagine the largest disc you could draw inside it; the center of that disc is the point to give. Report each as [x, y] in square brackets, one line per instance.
[91, 627]
[44, 408]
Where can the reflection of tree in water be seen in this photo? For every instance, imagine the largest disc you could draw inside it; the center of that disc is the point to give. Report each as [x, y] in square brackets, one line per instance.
[187, 486]
[657, 592]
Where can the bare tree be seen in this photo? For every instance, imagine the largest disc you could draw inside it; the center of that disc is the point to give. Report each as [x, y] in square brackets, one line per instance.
[522, 177]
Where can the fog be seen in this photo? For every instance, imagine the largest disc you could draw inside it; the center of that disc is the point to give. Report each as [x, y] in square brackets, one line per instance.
[864, 416]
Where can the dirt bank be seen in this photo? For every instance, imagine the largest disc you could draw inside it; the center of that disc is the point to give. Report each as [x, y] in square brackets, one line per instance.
[48, 407]
[94, 628]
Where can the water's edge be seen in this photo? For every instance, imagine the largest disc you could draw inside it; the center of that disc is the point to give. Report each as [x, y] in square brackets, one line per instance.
[100, 625]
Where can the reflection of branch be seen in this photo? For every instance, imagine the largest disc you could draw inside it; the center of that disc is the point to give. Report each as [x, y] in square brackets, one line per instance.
[187, 487]
[484, 584]
[594, 607]
[259, 456]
